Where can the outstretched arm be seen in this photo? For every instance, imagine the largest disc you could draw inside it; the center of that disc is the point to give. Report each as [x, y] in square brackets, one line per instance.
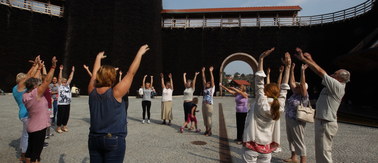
[244, 94]
[87, 69]
[170, 80]
[211, 76]
[123, 87]
[307, 59]
[194, 80]
[303, 80]
[45, 84]
[96, 67]
[228, 90]
[71, 75]
[162, 80]
[203, 77]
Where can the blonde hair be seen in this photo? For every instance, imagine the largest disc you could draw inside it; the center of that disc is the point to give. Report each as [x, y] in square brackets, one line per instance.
[243, 88]
[272, 90]
[20, 76]
[106, 76]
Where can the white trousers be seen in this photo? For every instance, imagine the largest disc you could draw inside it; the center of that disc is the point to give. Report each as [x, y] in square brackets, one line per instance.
[250, 156]
[24, 136]
[324, 133]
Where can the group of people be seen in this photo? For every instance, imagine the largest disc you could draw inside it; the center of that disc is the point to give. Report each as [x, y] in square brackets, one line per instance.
[261, 134]
[42, 99]
[39, 96]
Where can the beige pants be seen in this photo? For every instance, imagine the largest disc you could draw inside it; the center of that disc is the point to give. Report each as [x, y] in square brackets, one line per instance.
[324, 133]
[166, 110]
[207, 113]
[295, 136]
[250, 156]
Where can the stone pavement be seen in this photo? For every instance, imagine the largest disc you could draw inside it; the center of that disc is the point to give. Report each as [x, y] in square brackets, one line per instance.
[161, 143]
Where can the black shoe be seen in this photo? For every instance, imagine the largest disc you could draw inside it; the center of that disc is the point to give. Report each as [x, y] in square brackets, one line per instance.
[45, 144]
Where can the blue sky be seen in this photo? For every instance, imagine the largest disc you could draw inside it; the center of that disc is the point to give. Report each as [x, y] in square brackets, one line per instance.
[309, 7]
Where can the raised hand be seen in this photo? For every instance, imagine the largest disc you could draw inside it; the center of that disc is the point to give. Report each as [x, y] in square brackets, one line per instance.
[287, 60]
[196, 73]
[304, 67]
[170, 75]
[281, 69]
[116, 68]
[61, 67]
[86, 67]
[184, 74]
[120, 72]
[143, 49]
[161, 75]
[299, 54]
[54, 61]
[203, 69]
[73, 68]
[152, 76]
[101, 55]
[292, 66]
[266, 53]
[145, 76]
[211, 68]
[308, 56]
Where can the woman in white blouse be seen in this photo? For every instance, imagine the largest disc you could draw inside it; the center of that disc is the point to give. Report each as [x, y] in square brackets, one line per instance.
[166, 100]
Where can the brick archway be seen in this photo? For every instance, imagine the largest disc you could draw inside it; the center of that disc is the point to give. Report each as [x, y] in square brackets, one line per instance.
[237, 57]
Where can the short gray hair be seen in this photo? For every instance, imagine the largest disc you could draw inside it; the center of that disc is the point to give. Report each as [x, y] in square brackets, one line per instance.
[345, 75]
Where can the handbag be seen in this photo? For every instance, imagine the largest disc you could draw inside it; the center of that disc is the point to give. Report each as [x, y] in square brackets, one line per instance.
[305, 114]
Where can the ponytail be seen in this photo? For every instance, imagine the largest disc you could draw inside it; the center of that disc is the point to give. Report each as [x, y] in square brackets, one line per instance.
[272, 91]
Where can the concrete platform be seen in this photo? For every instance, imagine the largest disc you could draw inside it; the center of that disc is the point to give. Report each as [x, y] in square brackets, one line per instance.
[161, 143]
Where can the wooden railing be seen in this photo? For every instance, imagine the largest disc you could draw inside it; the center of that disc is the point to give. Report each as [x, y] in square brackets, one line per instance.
[35, 6]
[268, 22]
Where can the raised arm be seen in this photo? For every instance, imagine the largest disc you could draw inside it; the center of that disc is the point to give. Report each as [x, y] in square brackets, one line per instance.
[279, 80]
[303, 80]
[170, 79]
[268, 75]
[260, 65]
[194, 80]
[120, 76]
[211, 76]
[287, 62]
[71, 75]
[152, 81]
[144, 82]
[44, 72]
[184, 78]
[123, 87]
[31, 72]
[45, 84]
[292, 77]
[162, 80]
[38, 72]
[87, 69]
[60, 74]
[203, 77]
[228, 90]
[96, 67]
[307, 59]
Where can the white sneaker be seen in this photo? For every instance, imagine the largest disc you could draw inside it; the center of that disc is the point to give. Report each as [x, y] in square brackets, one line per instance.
[148, 121]
[143, 121]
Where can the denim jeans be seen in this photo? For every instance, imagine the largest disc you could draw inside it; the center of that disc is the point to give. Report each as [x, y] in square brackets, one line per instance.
[103, 148]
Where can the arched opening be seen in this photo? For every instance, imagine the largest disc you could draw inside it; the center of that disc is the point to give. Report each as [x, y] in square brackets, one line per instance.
[237, 57]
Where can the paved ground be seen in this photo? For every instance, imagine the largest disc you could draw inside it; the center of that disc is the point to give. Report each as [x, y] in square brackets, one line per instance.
[160, 143]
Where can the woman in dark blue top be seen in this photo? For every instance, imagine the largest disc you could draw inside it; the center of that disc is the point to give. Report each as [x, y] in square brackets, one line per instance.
[108, 128]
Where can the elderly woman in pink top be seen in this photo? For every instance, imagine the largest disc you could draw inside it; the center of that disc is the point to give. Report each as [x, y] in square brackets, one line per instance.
[39, 117]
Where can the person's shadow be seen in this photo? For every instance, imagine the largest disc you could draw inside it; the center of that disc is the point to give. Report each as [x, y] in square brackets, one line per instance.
[16, 145]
